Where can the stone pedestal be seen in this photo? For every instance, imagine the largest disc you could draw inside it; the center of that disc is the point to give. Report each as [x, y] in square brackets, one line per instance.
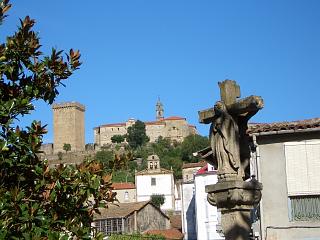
[235, 199]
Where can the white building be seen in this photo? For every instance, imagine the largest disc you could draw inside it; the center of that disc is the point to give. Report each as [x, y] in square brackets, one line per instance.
[188, 199]
[156, 181]
[207, 216]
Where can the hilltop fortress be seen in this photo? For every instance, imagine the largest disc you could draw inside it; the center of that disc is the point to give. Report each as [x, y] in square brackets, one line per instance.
[69, 127]
[174, 128]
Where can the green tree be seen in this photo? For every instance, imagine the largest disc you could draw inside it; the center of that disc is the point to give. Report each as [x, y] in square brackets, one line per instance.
[157, 199]
[106, 157]
[38, 202]
[136, 135]
[192, 144]
[67, 147]
[117, 138]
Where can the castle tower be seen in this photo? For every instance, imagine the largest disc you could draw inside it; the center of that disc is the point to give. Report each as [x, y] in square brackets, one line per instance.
[159, 110]
[68, 126]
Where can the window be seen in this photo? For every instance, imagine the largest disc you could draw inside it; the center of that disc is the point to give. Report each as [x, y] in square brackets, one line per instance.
[109, 226]
[303, 179]
[126, 196]
[153, 181]
[304, 208]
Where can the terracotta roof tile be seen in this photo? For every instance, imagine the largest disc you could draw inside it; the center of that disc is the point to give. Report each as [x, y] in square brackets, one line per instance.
[121, 185]
[154, 123]
[167, 233]
[194, 165]
[173, 118]
[120, 210]
[176, 221]
[114, 125]
[150, 172]
[282, 126]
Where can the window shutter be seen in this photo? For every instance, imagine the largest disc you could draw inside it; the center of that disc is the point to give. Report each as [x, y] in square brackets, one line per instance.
[313, 156]
[303, 167]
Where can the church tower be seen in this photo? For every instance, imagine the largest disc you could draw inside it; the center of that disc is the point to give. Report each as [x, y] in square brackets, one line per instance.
[159, 110]
[153, 163]
[68, 126]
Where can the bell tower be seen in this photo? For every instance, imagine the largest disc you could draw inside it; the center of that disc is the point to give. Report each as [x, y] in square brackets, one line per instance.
[159, 110]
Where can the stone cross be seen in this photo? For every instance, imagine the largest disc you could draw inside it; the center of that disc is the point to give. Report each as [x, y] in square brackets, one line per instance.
[228, 127]
[230, 92]
[229, 151]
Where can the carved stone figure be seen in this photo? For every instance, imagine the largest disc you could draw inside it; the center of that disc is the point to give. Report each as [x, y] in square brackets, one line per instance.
[224, 141]
[229, 152]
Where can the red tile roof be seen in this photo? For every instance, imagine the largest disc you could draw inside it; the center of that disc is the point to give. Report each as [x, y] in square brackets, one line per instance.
[120, 186]
[176, 221]
[167, 233]
[284, 126]
[202, 170]
[173, 118]
[114, 125]
[119, 210]
[194, 165]
[154, 123]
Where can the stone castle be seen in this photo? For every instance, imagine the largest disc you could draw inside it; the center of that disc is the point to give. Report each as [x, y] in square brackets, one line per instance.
[174, 128]
[69, 127]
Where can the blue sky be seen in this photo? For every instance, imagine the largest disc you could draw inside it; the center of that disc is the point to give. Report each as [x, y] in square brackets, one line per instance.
[136, 50]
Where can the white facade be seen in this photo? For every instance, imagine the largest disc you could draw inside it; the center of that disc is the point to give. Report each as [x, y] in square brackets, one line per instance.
[206, 214]
[162, 184]
[199, 218]
[188, 211]
[156, 181]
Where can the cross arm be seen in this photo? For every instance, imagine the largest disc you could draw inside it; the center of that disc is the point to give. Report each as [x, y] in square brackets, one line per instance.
[247, 105]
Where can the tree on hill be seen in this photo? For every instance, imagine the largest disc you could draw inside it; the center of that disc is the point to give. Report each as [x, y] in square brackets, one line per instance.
[38, 202]
[136, 135]
[67, 147]
[118, 138]
[191, 144]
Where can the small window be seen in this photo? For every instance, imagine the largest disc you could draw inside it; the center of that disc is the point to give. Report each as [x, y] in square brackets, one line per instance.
[153, 181]
[155, 165]
[305, 208]
[126, 196]
[151, 165]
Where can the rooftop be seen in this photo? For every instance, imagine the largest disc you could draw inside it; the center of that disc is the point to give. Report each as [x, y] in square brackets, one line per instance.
[120, 210]
[256, 128]
[152, 172]
[194, 165]
[167, 233]
[121, 186]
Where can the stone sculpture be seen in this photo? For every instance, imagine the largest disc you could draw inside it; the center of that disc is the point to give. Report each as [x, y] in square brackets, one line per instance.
[229, 152]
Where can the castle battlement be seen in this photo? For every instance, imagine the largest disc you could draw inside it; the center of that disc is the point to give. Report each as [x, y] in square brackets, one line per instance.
[72, 104]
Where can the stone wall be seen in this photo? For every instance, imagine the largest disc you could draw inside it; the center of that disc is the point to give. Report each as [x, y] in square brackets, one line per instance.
[174, 128]
[150, 218]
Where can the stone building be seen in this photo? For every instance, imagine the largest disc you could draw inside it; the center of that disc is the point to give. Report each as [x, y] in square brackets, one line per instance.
[68, 126]
[175, 128]
[128, 218]
[126, 191]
